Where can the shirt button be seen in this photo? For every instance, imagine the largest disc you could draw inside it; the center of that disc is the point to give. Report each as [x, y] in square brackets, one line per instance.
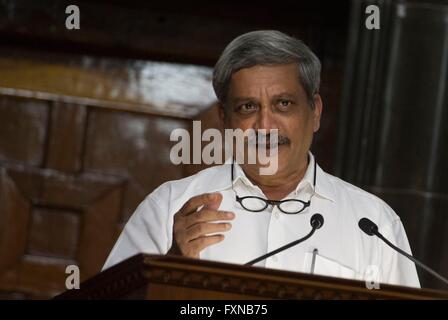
[274, 258]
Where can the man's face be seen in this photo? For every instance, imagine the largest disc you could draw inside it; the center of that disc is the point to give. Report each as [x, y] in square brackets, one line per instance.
[271, 97]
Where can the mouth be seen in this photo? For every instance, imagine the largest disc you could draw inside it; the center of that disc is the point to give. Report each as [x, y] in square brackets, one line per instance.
[272, 146]
[282, 141]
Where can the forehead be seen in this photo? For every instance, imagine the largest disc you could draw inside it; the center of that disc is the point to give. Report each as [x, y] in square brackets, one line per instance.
[271, 78]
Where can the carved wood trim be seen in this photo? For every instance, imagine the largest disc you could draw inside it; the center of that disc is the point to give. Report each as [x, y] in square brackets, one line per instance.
[142, 270]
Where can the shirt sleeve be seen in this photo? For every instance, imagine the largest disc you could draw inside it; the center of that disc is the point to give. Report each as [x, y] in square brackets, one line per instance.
[395, 268]
[145, 232]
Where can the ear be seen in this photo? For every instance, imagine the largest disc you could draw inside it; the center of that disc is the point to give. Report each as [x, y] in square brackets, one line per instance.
[317, 112]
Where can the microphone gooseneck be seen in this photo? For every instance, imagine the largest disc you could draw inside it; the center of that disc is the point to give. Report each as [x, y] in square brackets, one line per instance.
[370, 228]
[316, 221]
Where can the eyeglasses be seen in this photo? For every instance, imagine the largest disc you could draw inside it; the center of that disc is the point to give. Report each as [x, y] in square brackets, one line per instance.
[288, 206]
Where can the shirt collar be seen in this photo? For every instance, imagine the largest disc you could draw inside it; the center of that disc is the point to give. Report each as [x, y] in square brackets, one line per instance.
[221, 179]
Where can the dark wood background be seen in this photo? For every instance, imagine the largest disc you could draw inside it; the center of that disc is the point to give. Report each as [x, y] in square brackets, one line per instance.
[86, 115]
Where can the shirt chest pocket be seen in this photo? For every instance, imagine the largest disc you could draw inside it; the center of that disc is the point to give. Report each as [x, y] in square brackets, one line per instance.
[320, 265]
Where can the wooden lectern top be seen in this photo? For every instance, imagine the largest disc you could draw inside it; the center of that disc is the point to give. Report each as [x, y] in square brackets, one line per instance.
[170, 277]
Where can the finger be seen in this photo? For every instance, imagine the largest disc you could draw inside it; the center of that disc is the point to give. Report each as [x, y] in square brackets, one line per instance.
[215, 204]
[205, 215]
[203, 229]
[201, 200]
[200, 244]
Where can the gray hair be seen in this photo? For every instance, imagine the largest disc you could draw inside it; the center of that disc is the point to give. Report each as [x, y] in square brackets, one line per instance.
[266, 47]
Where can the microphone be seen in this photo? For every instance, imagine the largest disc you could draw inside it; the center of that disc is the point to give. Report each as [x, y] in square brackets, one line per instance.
[370, 228]
[316, 221]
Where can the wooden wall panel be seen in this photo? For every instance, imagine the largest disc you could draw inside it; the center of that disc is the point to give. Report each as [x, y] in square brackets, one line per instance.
[124, 84]
[86, 173]
[53, 232]
[58, 225]
[66, 137]
[132, 146]
[101, 218]
[160, 30]
[23, 130]
[14, 210]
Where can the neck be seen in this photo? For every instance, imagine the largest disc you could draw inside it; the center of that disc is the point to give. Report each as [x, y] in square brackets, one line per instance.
[278, 186]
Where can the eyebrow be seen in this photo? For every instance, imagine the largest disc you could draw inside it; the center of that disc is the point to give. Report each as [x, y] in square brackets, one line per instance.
[284, 95]
[274, 97]
[243, 99]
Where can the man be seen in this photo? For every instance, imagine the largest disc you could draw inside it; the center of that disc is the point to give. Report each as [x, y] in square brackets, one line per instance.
[268, 80]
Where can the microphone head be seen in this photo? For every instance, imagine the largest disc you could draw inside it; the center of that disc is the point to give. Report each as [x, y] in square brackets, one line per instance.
[317, 221]
[368, 226]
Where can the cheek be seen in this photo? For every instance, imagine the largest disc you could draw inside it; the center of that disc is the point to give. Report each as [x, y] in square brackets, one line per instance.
[296, 129]
[300, 132]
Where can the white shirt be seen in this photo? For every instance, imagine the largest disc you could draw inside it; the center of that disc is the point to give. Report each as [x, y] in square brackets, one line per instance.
[343, 250]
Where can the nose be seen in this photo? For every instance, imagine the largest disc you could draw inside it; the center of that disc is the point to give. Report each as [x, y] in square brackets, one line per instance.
[265, 119]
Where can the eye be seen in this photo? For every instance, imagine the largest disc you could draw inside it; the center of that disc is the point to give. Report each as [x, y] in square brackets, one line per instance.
[284, 104]
[247, 108]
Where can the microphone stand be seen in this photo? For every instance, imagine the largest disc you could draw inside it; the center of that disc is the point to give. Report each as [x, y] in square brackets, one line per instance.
[316, 222]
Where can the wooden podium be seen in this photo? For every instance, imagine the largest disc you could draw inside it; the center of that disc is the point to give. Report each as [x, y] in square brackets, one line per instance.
[168, 277]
